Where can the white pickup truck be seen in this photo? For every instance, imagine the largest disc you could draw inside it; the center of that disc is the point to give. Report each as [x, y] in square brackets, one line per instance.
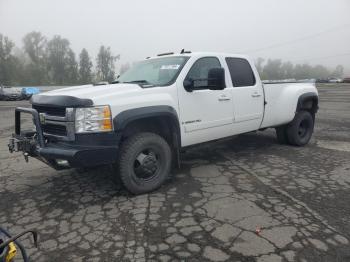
[163, 104]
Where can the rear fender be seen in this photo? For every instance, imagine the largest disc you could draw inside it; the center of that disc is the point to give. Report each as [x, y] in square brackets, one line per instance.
[283, 101]
[308, 101]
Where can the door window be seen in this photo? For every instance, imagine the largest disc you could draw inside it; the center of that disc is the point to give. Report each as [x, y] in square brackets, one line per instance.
[200, 70]
[240, 71]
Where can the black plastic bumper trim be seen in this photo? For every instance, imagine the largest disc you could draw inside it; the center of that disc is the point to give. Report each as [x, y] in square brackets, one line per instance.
[80, 157]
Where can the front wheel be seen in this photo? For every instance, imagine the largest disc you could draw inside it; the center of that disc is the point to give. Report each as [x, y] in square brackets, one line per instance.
[144, 162]
[300, 130]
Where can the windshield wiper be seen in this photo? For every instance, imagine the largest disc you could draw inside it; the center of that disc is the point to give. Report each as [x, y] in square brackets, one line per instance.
[138, 81]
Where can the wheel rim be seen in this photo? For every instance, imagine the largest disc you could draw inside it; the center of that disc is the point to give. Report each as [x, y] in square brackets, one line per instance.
[303, 128]
[146, 164]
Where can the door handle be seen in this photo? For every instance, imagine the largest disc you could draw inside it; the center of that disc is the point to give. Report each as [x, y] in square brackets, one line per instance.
[256, 95]
[224, 98]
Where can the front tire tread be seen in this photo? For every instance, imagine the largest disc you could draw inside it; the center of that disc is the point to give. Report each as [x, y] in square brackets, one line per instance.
[128, 148]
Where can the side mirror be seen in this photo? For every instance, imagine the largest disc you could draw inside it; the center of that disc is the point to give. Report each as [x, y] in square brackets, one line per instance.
[216, 78]
[189, 85]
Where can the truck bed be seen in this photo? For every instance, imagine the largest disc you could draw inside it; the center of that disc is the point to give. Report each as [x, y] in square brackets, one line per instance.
[281, 99]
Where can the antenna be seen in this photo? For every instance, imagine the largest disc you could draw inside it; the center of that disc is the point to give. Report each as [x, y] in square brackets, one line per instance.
[183, 51]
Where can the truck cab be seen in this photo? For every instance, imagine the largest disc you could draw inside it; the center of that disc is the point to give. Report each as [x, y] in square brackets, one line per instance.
[140, 122]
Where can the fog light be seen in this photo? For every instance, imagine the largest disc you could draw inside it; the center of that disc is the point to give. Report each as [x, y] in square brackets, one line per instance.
[62, 162]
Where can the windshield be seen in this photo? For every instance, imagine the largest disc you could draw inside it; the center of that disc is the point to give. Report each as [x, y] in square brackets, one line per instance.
[155, 72]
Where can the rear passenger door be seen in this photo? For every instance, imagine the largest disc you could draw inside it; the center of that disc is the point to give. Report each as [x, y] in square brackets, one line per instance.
[247, 95]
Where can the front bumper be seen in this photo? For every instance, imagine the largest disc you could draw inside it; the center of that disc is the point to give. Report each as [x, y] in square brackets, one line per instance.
[87, 151]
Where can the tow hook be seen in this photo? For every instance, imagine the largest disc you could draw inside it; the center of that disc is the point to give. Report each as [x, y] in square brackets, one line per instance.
[25, 145]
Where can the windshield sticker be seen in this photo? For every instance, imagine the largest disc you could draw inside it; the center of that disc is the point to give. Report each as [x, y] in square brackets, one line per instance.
[170, 67]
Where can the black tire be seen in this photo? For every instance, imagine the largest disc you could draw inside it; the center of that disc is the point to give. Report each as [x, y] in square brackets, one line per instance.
[300, 130]
[281, 133]
[144, 162]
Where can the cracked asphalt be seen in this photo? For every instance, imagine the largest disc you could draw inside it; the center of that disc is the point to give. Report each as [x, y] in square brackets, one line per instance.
[246, 198]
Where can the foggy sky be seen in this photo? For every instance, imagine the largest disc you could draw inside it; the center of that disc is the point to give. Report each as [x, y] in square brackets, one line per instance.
[312, 31]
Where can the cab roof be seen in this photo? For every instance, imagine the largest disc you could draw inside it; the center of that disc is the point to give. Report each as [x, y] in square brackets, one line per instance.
[200, 54]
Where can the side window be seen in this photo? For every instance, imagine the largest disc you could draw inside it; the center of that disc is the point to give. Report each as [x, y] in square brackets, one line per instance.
[240, 71]
[200, 69]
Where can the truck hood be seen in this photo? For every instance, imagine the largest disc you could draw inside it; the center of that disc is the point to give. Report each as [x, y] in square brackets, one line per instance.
[95, 93]
[118, 96]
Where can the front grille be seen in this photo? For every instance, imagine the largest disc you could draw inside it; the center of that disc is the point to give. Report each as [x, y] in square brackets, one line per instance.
[52, 111]
[56, 122]
[57, 130]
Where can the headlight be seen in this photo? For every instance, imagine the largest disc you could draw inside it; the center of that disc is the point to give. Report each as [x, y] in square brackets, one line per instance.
[93, 119]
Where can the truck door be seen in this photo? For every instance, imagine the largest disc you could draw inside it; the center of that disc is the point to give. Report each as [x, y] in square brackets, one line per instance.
[247, 94]
[205, 114]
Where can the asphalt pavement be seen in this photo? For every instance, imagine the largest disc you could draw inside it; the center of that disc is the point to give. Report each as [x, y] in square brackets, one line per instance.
[245, 198]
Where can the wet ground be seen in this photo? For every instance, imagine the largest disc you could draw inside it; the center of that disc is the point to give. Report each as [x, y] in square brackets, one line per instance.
[243, 199]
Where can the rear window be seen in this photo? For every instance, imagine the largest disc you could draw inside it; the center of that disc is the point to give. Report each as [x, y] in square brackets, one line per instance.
[240, 71]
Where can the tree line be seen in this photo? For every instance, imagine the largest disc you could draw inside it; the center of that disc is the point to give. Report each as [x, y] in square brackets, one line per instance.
[275, 69]
[43, 61]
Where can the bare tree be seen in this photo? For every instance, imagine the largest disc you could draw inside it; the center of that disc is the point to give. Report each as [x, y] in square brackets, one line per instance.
[35, 47]
[61, 60]
[8, 62]
[85, 65]
[106, 64]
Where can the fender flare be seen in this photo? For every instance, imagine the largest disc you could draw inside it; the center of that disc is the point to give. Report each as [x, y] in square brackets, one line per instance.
[121, 120]
[305, 97]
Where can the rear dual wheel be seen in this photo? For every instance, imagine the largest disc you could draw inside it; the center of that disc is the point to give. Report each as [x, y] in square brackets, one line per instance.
[298, 132]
